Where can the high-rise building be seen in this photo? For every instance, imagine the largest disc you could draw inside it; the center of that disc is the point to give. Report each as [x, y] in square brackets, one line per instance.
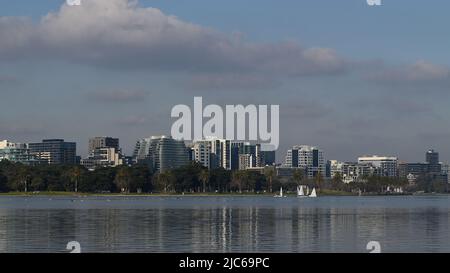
[267, 158]
[416, 169]
[221, 153]
[102, 157]
[430, 168]
[201, 153]
[336, 167]
[352, 171]
[245, 148]
[307, 157]
[446, 171]
[387, 166]
[103, 152]
[357, 171]
[55, 151]
[245, 161]
[432, 158]
[103, 142]
[18, 152]
[142, 152]
[167, 153]
[237, 149]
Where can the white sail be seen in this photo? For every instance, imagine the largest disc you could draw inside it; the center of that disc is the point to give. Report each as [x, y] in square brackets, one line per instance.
[300, 191]
[313, 193]
[281, 193]
[307, 190]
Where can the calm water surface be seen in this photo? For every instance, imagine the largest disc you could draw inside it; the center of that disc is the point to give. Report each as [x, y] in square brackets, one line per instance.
[225, 224]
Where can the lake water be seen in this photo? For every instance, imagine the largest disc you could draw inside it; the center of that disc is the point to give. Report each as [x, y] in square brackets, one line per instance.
[225, 224]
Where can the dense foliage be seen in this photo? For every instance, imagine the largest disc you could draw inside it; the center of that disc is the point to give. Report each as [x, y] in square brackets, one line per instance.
[16, 177]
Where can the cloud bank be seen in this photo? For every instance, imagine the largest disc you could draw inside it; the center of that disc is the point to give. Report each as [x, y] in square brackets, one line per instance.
[420, 72]
[121, 34]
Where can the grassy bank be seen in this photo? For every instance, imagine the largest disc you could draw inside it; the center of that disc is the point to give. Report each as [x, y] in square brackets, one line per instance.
[244, 194]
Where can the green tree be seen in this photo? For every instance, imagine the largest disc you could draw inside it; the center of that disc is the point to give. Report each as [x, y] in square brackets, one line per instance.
[336, 182]
[270, 174]
[220, 179]
[141, 178]
[204, 177]
[123, 179]
[318, 179]
[3, 183]
[237, 179]
[37, 183]
[74, 174]
[22, 178]
[297, 175]
[165, 179]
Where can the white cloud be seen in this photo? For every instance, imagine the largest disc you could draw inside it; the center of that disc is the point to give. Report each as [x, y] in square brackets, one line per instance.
[122, 34]
[419, 72]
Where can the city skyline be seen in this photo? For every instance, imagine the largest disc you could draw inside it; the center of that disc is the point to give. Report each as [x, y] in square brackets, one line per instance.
[344, 82]
[281, 160]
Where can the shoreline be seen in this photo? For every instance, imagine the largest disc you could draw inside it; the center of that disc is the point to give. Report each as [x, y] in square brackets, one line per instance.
[77, 195]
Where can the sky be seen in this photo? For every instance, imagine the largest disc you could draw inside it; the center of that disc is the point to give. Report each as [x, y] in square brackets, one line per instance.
[349, 78]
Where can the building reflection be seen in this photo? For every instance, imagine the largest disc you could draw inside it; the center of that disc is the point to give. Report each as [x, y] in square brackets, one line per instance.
[255, 227]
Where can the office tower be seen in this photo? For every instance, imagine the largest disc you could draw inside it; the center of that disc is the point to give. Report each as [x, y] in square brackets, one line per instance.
[142, 153]
[446, 171]
[336, 168]
[101, 158]
[291, 160]
[432, 158]
[201, 153]
[307, 157]
[357, 172]
[245, 161]
[54, 151]
[103, 142]
[387, 166]
[18, 152]
[103, 152]
[351, 171]
[245, 148]
[431, 167]
[415, 169]
[328, 169]
[237, 149]
[254, 150]
[267, 158]
[226, 154]
[220, 153]
[167, 153]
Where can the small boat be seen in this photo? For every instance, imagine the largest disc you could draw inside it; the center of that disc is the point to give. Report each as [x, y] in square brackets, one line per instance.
[300, 192]
[313, 193]
[281, 193]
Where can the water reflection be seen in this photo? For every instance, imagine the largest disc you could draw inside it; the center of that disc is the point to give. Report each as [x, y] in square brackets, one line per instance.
[225, 225]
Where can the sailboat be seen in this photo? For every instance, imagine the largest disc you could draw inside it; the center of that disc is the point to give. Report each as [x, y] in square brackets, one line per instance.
[281, 193]
[300, 192]
[313, 193]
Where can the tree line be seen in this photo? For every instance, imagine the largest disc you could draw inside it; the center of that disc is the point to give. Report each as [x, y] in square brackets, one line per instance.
[192, 178]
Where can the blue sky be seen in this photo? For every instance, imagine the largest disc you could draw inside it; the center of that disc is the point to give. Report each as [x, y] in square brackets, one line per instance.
[398, 30]
[389, 95]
